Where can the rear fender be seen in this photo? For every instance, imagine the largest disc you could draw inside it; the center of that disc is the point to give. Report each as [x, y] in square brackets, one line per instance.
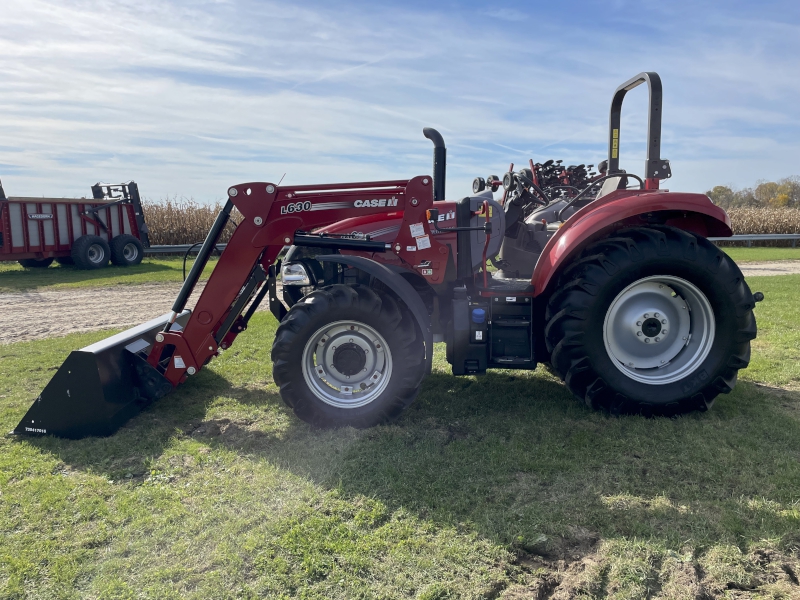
[691, 212]
[402, 288]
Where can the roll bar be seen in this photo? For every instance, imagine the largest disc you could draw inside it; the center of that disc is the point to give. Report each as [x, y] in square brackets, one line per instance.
[655, 167]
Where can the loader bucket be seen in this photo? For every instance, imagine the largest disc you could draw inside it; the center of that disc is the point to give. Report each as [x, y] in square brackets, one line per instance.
[101, 386]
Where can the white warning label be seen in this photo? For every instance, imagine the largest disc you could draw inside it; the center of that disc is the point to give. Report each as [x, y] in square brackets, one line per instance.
[423, 242]
[417, 229]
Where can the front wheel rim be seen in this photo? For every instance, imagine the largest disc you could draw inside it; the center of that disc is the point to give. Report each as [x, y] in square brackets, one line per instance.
[659, 329]
[347, 364]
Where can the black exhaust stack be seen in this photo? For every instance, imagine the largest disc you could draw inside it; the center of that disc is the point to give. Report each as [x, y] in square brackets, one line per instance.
[439, 162]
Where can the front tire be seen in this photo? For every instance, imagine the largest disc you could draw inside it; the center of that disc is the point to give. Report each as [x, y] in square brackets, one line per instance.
[348, 355]
[614, 353]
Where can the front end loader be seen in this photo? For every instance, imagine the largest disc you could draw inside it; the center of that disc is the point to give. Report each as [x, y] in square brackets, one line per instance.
[614, 285]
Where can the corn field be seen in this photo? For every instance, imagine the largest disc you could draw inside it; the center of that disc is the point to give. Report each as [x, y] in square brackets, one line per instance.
[764, 221]
[184, 221]
[173, 221]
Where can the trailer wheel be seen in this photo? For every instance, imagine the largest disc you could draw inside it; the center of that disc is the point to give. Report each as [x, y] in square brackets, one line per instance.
[35, 263]
[652, 320]
[348, 355]
[90, 252]
[126, 250]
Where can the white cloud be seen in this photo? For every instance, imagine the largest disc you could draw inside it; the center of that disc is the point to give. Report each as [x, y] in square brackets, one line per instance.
[190, 98]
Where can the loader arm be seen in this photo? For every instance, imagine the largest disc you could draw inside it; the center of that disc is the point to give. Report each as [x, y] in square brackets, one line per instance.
[118, 377]
[275, 217]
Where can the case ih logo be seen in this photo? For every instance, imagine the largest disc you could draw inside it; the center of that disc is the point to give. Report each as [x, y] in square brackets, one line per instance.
[375, 203]
[39, 216]
[295, 207]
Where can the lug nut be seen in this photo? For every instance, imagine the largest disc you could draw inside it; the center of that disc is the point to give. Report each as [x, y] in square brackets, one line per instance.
[639, 333]
[658, 339]
[656, 315]
[646, 340]
[664, 321]
[664, 331]
[646, 315]
[639, 323]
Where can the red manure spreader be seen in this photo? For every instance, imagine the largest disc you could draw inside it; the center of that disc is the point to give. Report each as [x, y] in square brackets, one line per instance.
[603, 276]
[83, 232]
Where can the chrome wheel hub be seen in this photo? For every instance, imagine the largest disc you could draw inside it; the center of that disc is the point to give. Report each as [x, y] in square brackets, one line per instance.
[347, 364]
[659, 329]
[96, 253]
[130, 252]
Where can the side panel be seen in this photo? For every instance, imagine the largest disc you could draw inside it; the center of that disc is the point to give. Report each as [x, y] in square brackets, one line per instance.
[693, 212]
[17, 225]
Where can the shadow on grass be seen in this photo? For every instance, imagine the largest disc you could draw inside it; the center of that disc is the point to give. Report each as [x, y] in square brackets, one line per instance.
[513, 457]
[28, 279]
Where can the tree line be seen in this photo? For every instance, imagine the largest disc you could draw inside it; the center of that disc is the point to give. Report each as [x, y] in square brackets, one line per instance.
[784, 193]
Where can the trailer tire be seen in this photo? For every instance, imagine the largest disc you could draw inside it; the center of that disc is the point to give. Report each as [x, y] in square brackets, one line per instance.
[593, 323]
[126, 250]
[90, 252]
[35, 263]
[377, 338]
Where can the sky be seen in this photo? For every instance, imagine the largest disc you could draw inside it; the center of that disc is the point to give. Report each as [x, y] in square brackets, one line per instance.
[190, 97]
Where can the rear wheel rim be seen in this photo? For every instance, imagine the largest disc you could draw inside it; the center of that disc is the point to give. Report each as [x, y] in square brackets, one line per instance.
[659, 329]
[130, 252]
[96, 254]
[347, 364]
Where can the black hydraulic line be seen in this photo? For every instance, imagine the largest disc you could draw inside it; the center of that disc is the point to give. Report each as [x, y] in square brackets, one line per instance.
[593, 184]
[186, 255]
[202, 258]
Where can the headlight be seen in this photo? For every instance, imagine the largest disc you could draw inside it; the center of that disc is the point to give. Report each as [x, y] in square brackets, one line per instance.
[294, 274]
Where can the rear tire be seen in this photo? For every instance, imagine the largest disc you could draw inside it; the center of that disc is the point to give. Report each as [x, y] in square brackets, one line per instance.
[374, 375]
[596, 335]
[126, 250]
[35, 263]
[90, 252]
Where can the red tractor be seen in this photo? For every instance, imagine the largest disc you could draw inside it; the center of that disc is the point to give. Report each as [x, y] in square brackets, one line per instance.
[616, 289]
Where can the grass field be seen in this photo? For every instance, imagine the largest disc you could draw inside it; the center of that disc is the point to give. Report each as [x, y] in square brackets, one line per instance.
[745, 255]
[500, 486]
[14, 278]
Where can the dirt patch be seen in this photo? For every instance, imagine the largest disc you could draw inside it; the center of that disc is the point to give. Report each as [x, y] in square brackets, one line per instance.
[777, 267]
[50, 313]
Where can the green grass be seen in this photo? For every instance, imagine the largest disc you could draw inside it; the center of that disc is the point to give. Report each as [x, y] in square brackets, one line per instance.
[744, 255]
[13, 278]
[494, 486]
